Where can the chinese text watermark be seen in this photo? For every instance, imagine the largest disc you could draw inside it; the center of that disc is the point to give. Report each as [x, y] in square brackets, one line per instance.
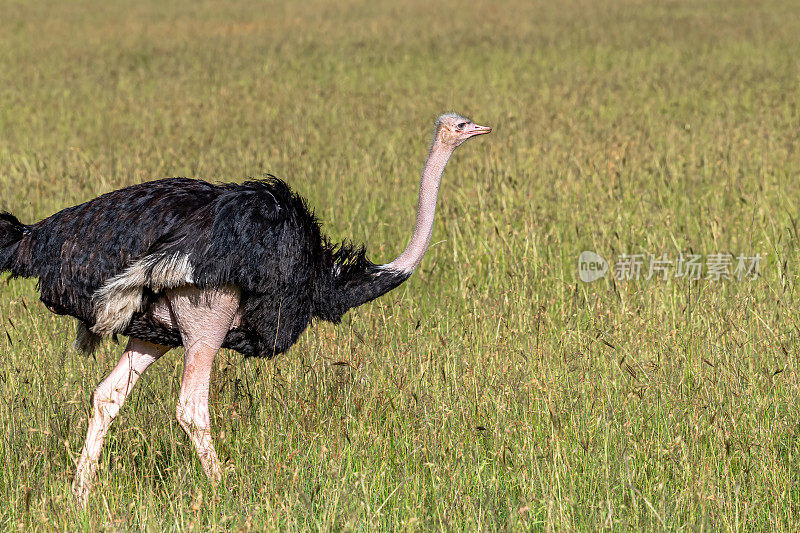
[686, 266]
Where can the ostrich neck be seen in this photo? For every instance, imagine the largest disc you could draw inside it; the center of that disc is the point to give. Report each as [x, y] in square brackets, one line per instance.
[426, 208]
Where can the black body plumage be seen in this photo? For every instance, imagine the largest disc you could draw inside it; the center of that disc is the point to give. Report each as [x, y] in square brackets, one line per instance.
[258, 236]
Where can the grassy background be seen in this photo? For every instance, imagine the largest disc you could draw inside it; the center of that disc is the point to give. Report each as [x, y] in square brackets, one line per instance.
[494, 390]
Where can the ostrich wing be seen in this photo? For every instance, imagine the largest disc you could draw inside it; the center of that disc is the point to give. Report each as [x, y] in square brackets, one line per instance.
[76, 251]
[258, 236]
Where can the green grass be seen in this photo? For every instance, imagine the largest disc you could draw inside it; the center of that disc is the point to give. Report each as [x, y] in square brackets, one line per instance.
[494, 390]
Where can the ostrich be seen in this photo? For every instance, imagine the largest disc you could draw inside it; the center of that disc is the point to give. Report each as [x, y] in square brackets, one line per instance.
[185, 262]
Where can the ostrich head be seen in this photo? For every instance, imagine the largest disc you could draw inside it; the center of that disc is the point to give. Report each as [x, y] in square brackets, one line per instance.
[453, 129]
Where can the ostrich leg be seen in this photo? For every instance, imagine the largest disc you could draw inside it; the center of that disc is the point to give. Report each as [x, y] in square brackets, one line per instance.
[106, 403]
[204, 318]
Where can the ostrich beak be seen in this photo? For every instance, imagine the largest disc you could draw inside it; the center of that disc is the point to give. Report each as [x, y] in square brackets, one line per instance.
[475, 129]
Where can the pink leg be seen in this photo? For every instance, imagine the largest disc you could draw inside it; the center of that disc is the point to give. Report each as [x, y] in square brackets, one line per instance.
[204, 318]
[106, 403]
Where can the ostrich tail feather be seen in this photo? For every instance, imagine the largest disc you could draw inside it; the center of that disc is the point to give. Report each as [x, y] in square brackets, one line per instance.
[11, 233]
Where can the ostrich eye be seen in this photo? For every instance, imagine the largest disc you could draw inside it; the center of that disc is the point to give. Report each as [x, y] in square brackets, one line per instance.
[461, 126]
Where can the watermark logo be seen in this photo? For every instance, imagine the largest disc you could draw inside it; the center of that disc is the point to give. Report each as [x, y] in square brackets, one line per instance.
[633, 267]
[591, 266]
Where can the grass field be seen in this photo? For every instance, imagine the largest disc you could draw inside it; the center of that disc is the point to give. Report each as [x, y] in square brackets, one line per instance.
[495, 390]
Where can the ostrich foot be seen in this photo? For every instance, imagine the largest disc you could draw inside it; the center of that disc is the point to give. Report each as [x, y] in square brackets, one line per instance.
[84, 480]
[211, 465]
[200, 435]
